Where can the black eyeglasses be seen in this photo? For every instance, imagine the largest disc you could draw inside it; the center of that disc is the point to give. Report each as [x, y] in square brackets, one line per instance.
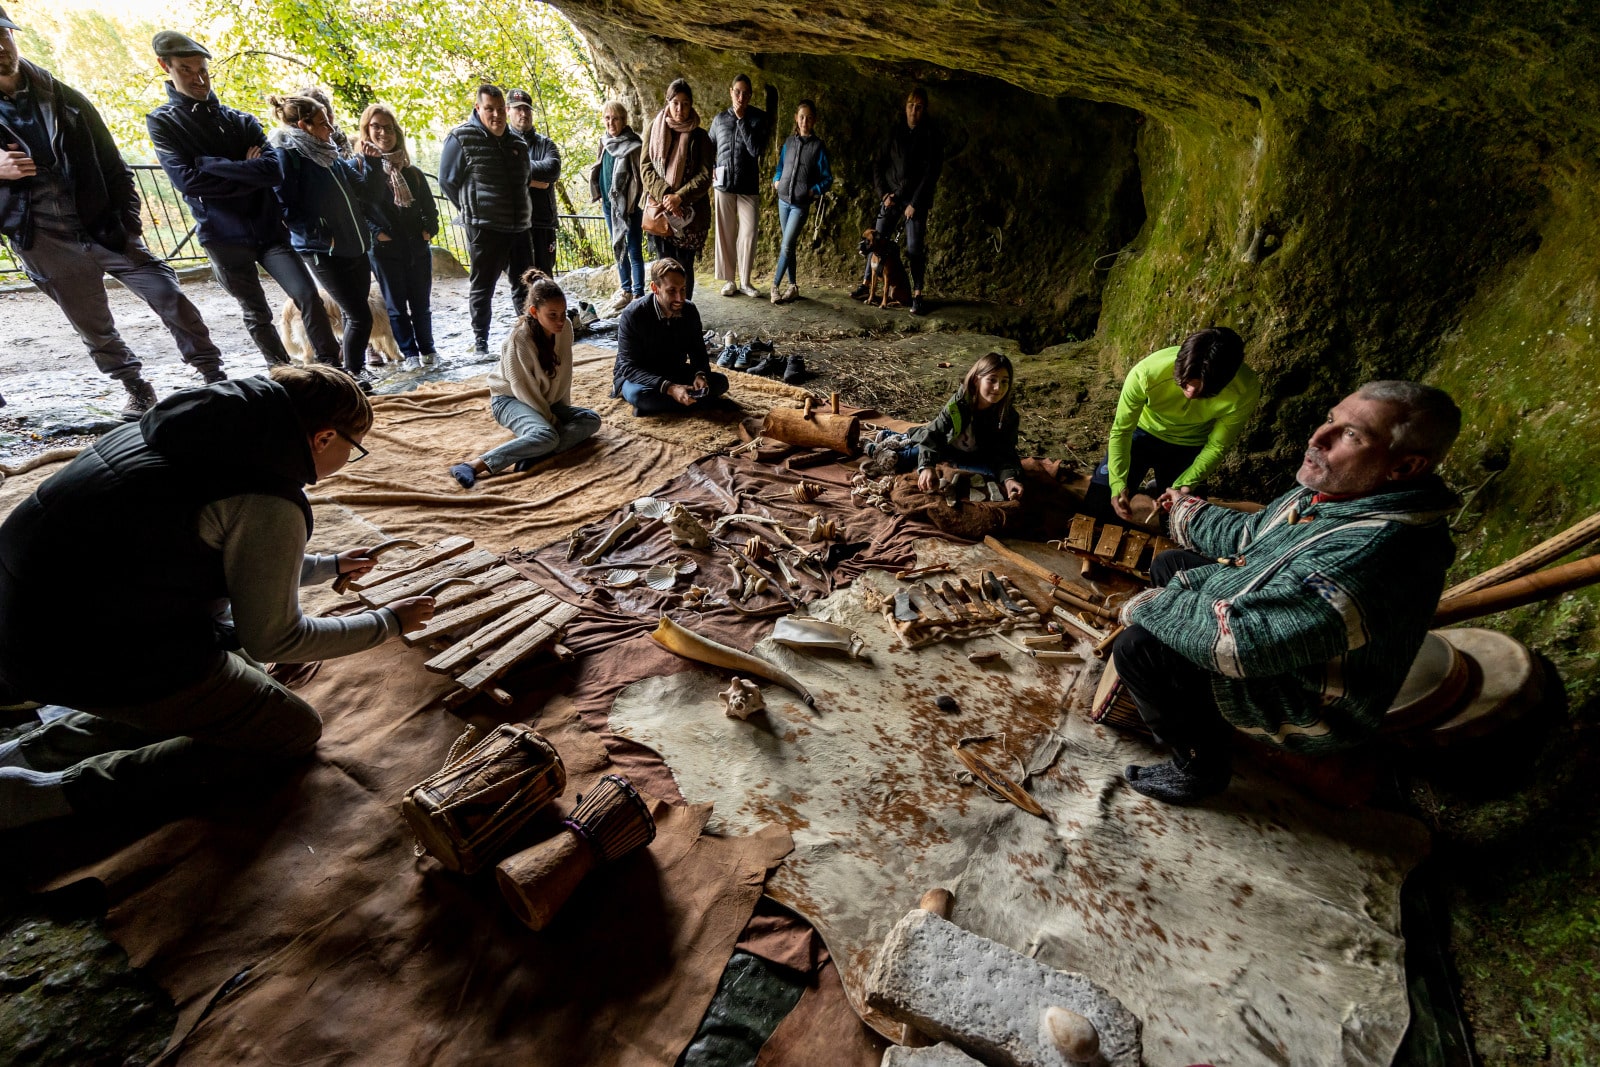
[359, 453]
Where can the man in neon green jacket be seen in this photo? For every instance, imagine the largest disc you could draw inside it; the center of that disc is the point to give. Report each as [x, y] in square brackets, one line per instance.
[1181, 408]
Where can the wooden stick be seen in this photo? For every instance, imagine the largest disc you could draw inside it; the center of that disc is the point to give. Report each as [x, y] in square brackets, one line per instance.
[449, 548]
[1103, 649]
[541, 633]
[1038, 570]
[412, 584]
[1542, 585]
[1082, 627]
[1573, 537]
[1073, 600]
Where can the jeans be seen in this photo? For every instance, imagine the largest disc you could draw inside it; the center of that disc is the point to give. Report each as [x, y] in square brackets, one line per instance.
[1146, 452]
[71, 271]
[916, 231]
[225, 726]
[906, 460]
[661, 248]
[790, 219]
[1172, 692]
[494, 253]
[647, 401]
[348, 279]
[536, 436]
[234, 267]
[404, 270]
[630, 264]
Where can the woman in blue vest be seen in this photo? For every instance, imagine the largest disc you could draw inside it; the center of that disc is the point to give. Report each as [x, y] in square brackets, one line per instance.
[402, 219]
[802, 176]
[322, 197]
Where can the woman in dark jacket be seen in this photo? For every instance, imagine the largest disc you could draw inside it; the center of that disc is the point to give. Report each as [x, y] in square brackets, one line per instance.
[402, 219]
[676, 167]
[322, 197]
[802, 176]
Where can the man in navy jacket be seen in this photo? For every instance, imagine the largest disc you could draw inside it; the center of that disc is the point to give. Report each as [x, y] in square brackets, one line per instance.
[662, 366]
[217, 159]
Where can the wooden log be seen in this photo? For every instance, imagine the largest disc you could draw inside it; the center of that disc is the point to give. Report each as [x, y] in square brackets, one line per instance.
[1110, 541]
[529, 641]
[1081, 534]
[474, 644]
[1570, 539]
[449, 548]
[813, 429]
[475, 612]
[1543, 585]
[414, 583]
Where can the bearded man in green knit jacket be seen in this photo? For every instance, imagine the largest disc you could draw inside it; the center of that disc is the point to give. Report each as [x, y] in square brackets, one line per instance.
[1296, 624]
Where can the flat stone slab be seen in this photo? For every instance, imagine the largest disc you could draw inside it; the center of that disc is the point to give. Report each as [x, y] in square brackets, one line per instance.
[944, 1054]
[952, 984]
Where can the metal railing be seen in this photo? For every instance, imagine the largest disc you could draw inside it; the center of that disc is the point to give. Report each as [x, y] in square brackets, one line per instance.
[169, 230]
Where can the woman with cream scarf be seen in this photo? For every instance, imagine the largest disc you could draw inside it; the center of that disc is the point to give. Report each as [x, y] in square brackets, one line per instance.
[677, 177]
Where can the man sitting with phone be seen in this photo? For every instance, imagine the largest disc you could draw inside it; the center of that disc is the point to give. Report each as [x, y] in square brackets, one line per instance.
[662, 366]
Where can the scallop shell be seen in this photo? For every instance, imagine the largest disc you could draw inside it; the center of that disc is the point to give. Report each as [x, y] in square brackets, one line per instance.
[620, 577]
[686, 567]
[650, 507]
[662, 577]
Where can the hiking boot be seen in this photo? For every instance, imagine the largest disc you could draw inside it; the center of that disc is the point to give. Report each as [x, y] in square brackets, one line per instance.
[622, 300]
[794, 371]
[213, 376]
[141, 398]
[428, 359]
[861, 292]
[480, 347]
[730, 290]
[791, 294]
[919, 306]
[777, 297]
[749, 290]
[373, 357]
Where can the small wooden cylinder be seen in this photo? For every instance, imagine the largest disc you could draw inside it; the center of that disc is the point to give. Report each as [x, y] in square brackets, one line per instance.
[813, 429]
[537, 881]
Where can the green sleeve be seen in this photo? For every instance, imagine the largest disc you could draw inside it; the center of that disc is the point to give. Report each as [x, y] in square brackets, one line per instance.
[1119, 449]
[1212, 530]
[1224, 432]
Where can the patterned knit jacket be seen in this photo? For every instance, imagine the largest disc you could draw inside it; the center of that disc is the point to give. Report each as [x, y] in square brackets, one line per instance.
[1311, 635]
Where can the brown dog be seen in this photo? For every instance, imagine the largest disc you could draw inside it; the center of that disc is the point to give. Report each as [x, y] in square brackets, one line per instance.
[883, 261]
[293, 331]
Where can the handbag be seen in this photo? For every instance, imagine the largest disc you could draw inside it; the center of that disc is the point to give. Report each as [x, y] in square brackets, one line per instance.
[655, 218]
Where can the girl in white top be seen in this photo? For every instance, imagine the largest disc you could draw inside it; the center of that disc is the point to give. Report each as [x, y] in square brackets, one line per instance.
[531, 391]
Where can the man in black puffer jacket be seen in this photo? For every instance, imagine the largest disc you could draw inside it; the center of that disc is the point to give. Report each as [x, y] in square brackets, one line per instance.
[484, 171]
[907, 173]
[217, 159]
[740, 134]
[69, 210]
[202, 504]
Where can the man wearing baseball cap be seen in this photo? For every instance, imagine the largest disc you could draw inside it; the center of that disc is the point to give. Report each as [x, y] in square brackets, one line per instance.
[217, 159]
[70, 212]
[544, 169]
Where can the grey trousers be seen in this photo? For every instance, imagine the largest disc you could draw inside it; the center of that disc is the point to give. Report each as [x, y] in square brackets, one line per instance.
[70, 270]
[234, 267]
[233, 724]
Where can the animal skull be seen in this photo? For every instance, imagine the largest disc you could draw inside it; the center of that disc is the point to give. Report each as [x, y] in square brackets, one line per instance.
[684, 529]
[743, 698]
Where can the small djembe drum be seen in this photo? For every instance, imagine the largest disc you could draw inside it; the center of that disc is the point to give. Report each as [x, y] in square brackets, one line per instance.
[465, 814]
[608, 823]
[1114, 707]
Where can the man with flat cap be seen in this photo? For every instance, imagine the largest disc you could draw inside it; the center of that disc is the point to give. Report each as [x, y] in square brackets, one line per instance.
[70, 212]
[544, 170]
[217, 159]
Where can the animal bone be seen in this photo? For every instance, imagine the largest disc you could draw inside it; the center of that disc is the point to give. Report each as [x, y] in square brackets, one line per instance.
[684, 529]
[820, 529]
[630, 522]
[743, 698]
[788, 575]
[690, 645]
[773, 526]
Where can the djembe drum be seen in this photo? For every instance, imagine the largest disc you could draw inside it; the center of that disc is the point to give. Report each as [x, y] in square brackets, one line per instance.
[608, 823]
[1114, 707]
[464, 814]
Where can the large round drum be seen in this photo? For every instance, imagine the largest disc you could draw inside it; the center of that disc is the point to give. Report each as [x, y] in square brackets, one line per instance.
[1434, 686]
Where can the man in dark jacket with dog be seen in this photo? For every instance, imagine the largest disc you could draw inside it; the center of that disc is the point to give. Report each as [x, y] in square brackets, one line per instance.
[907, 174]
[69, 210]
[484, 171]
[217, 158]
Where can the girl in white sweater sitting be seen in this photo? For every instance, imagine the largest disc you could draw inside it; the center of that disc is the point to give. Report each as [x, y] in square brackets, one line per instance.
[531, 391]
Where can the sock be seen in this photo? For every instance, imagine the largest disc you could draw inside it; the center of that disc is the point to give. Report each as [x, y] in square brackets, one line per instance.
[463, 473]
[28, 796]
[1172, 784]
[11, 754]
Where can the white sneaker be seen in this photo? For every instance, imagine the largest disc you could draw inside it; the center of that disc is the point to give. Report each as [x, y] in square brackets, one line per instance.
[791, 294]
[730, 290]
[749, 290]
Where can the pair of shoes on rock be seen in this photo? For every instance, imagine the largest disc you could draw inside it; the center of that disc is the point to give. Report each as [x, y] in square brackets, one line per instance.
[1180, 782]
[919, 306]
[141, 398]
[464, 475]
[622, 300]
[730, 289]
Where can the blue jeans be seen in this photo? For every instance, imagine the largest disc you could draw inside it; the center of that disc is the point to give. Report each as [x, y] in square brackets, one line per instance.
[647, 401]
[790, 219]
[405, 278]
[630, 265]
[536, 436]
[908, 456]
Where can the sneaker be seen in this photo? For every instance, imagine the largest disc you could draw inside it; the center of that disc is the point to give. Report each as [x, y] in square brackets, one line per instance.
[410, 364]
[744, 359]
[776, 298]
[919, 306]
[730, 354]
[429, 359]
[364, 379]
[622, 300]
[464, 475]
[214, 375]
[480, 347]
[141, 398]
[791, 294]
[861, 292]
[749, 290]
[373, 358]
[730, 290]
[794, 371]
[768, 367]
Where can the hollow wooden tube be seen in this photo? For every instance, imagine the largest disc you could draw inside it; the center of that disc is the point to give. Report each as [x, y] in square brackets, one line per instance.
[1542, 585]
[537, 881]
[813, 429]
[1548, 551]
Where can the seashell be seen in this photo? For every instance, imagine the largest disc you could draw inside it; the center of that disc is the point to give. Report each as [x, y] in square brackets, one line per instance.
[650, 507]
[620, 577]
[662, 577]
[686, 567]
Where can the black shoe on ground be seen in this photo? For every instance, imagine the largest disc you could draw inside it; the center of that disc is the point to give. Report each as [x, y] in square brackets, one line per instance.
[919, 306]
[364, 379]
[794, 371]
[767, 367]
[1171, 783]
[861, 292]
[213, 376]
[480, 347]
[141, 398]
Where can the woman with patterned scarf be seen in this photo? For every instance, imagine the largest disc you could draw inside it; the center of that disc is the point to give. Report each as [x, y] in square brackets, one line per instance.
[677, 178]
[402, 220]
